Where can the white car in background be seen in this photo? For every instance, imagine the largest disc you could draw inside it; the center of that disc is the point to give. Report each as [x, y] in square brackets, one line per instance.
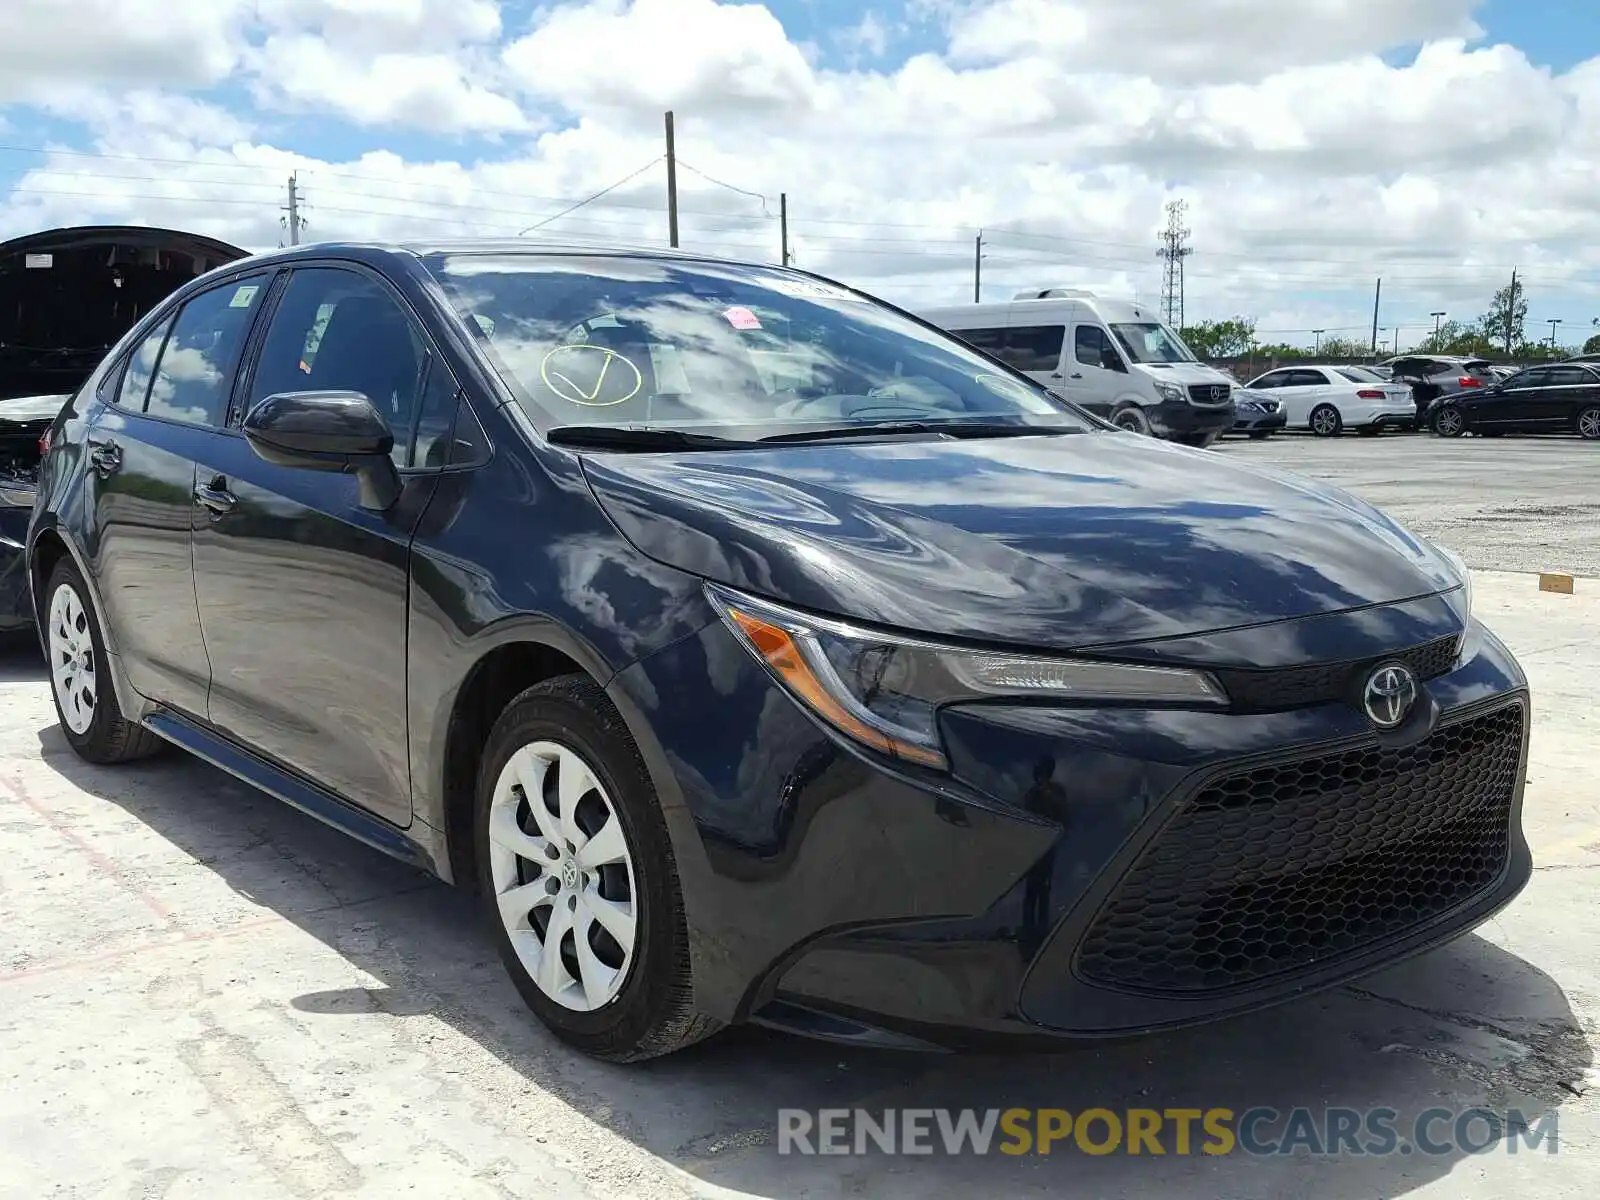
[1329, 399]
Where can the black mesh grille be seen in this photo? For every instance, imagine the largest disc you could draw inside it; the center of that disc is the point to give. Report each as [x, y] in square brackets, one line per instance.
[1252, 690]
[1288, 865]
[1211, 395]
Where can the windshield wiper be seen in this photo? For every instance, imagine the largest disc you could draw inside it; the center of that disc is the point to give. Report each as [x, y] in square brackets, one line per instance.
[617, 437]
[957, 429]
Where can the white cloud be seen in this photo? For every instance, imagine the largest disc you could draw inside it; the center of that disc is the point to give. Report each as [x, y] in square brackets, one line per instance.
[111, 43]
[654, 54]
[1211, 40]
[1061, 127]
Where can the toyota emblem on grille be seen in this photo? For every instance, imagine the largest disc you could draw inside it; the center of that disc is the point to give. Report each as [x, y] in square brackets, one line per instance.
[1390, 692]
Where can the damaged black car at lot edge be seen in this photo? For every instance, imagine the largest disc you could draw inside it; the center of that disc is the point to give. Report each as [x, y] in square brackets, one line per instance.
[759, 652]
[24, 420]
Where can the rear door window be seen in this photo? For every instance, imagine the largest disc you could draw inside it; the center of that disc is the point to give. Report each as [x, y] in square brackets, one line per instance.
[1034, 347]
[141, 366]
[194, 376]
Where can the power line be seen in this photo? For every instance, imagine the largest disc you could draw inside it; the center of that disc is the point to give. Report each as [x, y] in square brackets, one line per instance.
[628, 178]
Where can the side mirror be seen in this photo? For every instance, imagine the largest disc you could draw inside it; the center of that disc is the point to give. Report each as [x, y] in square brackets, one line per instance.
[328, 431]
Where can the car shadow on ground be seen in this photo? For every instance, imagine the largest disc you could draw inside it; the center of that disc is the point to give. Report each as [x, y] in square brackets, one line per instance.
[1467, 1025]
[21, 660]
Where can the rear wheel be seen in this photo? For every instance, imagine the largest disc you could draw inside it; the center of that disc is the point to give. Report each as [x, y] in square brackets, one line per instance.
[80, 676]
[577, 876]
[1448, 422]
[1589, 423]
[1132, 419]
[1326, 421]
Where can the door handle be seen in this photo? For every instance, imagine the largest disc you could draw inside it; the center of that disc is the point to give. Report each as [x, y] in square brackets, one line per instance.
[215, 497]
[105, 457]
[1076, 375]
[1055, 374]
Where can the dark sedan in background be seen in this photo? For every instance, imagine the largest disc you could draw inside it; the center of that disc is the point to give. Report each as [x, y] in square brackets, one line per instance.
[1558, 398]
[23, 421]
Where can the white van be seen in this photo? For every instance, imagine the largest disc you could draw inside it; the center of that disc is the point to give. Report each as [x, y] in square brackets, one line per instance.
[1112, 357]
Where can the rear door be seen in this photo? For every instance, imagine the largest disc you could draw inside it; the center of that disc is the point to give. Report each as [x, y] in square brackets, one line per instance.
[1301, 391]
[161, 408]
[1569, 387]
[303, 592]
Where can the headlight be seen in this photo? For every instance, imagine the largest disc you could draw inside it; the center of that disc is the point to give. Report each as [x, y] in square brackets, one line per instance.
[885, 690]
[1170, 391]
[1462, 572]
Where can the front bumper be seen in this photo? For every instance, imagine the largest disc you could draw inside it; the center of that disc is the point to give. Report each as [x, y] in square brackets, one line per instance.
[16, 602]
[1179, 418]
[1254, 420]
[834, 893]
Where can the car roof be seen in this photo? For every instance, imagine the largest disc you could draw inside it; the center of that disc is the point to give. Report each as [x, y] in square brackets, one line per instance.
[423, 249]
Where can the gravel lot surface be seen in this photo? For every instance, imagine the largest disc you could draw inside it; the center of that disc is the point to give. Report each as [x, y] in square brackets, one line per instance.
[1503, 504]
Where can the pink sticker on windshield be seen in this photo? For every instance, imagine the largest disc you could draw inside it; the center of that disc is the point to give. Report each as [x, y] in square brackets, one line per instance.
[742, 318]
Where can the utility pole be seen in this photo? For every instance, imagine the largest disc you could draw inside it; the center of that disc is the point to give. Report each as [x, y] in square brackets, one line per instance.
[294, 221]
[1511, 309]
[1317, 348]
[783, 224]
[1376, 297]
[1554, 321]
[1438, 318]
[977, 270]
[1174, 249]
[672, 184]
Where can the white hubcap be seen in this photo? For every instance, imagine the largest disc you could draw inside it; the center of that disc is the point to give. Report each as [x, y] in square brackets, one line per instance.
[72, 659]
[563, 876]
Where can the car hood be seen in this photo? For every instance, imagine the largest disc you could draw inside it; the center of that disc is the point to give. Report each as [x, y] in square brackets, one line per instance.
[26, 410]
[1050, 542]
[1184, 373]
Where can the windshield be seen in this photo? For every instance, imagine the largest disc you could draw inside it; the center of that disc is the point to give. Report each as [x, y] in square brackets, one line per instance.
[1148, 342]
[729, 351]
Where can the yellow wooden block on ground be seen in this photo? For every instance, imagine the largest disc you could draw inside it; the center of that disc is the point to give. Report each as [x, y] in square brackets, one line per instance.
[1554, 581]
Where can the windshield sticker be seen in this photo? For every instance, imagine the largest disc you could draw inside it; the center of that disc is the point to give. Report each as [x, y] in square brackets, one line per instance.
[244, 295]
[590, 376]
[808, 289]
[742, 318]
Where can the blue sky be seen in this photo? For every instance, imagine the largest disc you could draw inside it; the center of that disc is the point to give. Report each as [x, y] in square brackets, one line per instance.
[1316, 149]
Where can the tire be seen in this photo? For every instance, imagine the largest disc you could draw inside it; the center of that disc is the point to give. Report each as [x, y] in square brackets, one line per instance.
[1588, 423]
[80, 676]
[636, 1002]
[1449, 422]
[1131, 418]
[1325, 421]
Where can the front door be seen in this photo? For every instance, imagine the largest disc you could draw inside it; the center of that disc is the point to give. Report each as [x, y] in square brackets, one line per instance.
[1096, 376]
[302, 591]
[160, 410]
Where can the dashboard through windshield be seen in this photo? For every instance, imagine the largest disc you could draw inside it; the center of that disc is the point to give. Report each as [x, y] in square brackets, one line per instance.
[723, 350]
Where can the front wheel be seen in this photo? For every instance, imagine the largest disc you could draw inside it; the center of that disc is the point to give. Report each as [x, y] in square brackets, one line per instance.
[576, 872]
[1589, 423]
[1132, 419]
[1326, 421]
[1448, 422]
[80, 676]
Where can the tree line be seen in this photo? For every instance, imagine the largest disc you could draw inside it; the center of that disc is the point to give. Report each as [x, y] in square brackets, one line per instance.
[1501, 332]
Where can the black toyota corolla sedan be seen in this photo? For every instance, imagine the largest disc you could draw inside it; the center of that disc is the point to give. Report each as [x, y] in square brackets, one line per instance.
[759, 652]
